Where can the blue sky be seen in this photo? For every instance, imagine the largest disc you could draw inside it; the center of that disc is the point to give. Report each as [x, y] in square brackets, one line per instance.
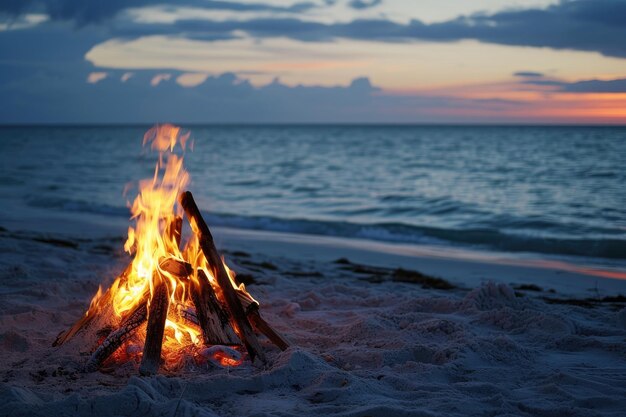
[406, 61]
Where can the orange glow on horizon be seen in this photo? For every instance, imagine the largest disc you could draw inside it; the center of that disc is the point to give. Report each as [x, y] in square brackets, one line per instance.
[526, 103]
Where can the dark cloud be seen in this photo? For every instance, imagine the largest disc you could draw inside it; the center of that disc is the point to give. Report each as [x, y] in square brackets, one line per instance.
[585, 25]
[94, 11]
[585, 86]
[364, 4]
[65, 97]
[528, 74]
[597, 86]
[43, 71]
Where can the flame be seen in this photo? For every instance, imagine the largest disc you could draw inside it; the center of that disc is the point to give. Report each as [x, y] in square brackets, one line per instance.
[94, 301]
[150, 240]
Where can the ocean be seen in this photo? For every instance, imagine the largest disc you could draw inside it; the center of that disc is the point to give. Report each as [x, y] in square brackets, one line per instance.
[549, 191]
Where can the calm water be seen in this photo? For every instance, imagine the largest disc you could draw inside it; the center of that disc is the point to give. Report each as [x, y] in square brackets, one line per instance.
[534, 189]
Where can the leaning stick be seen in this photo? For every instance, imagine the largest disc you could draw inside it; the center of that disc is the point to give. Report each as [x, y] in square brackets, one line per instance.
[253, 313]
[213, 319]
[262, 326]
[207, 245]
[115, 339]
[92, 312]
[251, 308]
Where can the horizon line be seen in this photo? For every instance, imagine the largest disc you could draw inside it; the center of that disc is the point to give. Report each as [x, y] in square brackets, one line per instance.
[305, 124]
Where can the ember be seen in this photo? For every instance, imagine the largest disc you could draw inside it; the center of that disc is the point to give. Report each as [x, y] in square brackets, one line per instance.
[174, 302]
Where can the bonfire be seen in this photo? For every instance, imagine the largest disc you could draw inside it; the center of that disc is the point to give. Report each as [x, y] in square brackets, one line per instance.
[177, 301]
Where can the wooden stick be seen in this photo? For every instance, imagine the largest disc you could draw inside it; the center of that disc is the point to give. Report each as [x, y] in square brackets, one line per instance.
[212, 318]
[253, 313]
[115, 339]
[207, 245]
[251, 306]
[176, 267]
[93, 311]
[263, 327]
[157, 315]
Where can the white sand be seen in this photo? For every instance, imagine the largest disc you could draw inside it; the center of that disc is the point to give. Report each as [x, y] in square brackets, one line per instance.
[360, 348]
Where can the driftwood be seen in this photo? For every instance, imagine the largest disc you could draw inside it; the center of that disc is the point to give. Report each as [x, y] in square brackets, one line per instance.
[212, 318]
[92, 312]
[157, 315]
[253, 313]
[263, 327]
[176, 267]
[207, 245]
[114, 340]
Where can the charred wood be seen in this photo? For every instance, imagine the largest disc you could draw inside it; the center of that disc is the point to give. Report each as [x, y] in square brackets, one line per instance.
[157, 315]
[116, 338]
[207, 245]
[212, 318]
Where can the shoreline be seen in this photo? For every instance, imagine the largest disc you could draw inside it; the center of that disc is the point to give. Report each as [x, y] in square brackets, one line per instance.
[465, 267]
[469, 267]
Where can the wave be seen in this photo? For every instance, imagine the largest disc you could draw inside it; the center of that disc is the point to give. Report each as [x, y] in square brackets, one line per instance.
[485, 237]
[77, 206]
[403, 233]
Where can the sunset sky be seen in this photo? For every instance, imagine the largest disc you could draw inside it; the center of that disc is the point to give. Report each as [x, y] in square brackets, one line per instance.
[405, 61]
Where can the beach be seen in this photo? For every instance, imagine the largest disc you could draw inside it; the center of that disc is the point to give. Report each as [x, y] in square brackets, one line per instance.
[370, 337]
[302, 208]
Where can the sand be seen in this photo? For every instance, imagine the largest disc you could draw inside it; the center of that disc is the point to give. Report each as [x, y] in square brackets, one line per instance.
[511, 337]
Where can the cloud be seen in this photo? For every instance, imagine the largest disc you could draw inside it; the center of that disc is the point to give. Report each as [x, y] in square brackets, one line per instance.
[83, 12]
[191, 79]
[94, 77]
[528, 74]
[584, 25]
[584, 86]
[43, 68]
[364, 4]
[225, 98]
[157, 79]
[596, 86]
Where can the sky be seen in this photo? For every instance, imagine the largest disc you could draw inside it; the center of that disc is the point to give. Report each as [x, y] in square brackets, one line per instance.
[313, 61]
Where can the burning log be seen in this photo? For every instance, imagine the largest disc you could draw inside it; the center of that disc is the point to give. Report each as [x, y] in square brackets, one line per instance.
[157, 315]
[207, 245]
[115, 339]
[251, 307]
[178, 268]
[212, 318]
